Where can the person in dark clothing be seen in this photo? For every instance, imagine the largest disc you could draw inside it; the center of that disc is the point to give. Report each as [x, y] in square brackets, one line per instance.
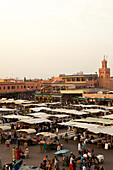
[74, 164]
[66, 137]
[101, 168]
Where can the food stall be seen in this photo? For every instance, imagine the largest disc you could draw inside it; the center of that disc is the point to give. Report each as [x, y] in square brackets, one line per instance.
[50, 139]
[27, 135]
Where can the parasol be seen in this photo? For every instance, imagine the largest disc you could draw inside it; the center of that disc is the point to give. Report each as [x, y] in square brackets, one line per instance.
[61, 152]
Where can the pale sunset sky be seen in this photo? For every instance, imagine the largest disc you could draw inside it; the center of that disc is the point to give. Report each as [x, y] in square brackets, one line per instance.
[45, 38]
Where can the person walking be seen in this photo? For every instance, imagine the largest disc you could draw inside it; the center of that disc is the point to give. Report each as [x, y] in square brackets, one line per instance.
[79, 148]
[7, 142]
[45, 147]
[14, 153]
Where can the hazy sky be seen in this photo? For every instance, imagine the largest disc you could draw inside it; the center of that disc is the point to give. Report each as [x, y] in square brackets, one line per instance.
[44, 38]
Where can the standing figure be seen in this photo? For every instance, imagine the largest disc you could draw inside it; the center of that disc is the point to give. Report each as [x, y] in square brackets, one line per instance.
[45, 146]
[14, 153]
[7, 142]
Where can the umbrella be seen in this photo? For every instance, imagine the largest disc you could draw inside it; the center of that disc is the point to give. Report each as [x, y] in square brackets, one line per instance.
[89, 151]
[18, 164]
[61, 152]
[85, 155]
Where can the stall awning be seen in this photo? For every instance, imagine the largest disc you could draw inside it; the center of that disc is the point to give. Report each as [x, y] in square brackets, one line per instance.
[29, 131]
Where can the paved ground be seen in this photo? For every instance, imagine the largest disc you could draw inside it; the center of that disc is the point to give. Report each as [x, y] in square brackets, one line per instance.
[36, 155]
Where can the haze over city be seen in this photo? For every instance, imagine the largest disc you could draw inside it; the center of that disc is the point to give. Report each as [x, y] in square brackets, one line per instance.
[45, 38]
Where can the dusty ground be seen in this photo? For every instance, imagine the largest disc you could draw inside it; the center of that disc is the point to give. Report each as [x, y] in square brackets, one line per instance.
[36, 155]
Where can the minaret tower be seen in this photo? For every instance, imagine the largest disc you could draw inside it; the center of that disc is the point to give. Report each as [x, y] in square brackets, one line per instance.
[104, 75]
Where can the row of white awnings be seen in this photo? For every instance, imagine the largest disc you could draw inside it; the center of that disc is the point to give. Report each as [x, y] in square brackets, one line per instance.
[90, 127]
[95, 120]
[104, 129]
[42, 114]
[35, 121]
[78, 124]
[94, 110]
[94, 106]
[69, 111]
[108, 116]
[38, 109]
[19, 117]
[7, 110]
[4, 128]
[28, 131]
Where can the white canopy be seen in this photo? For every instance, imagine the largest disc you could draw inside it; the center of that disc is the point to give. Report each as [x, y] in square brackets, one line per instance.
[103, 129]
[54, 103]
[108, 116]
[94, 110]
[41, 114]
[35, 121]
[46, 134]
[7, 110]
[19, 117]
[29, 131]
[37, 114]
[34, 104]
[69, 111]
[37, 109]
[79, 125]
[5, 128]
[94, 120]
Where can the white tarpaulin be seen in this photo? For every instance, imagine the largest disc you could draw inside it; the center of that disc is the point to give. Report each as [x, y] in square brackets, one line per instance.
[69, 111]
[7, 110]
[102, 129]
[108, 116]
[94, 120]
[34, 121]
[29, 131]
[79, 125]
[4, 128]
[47, 134]
[94, 110]
[19, 117]
[37, 109]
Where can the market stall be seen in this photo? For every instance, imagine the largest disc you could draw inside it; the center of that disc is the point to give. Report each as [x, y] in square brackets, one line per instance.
[27, 135]
[48, 138]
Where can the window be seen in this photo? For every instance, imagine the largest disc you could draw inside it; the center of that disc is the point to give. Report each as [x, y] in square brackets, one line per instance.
[62, 88]
[90, 78]
[0, 88]
[17, 87]
[83, 79]
[12, 87]
[73, 79]
[21, 87]
[95, 84]
[53, 88]
[4, 87]
[8, 87]
[78, 79]
[24, 87]
[68, 79]
[32, 87]
[58, 88]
